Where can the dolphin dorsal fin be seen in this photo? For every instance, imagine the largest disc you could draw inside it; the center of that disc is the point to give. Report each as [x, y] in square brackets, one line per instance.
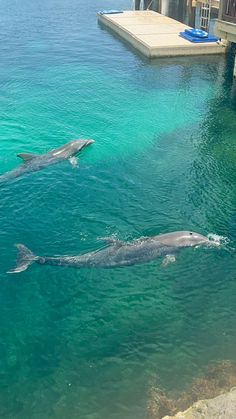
[26, 156]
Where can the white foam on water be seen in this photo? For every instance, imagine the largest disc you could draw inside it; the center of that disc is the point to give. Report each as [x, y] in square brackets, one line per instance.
[218, 240]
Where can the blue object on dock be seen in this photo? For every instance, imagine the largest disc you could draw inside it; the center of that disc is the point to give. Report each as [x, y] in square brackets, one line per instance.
[196, 39]
[199, 33]
[110, 12]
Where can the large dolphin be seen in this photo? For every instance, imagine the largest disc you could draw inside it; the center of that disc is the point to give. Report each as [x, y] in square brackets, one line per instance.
[118, 253]
[35, 162]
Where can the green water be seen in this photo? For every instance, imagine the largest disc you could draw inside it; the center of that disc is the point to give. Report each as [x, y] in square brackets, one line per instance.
[89, 344]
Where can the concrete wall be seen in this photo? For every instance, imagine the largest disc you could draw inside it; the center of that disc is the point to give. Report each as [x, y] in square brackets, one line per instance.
[226, 30]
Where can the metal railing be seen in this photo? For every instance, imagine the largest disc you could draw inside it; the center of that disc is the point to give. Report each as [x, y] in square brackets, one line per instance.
[229, 11]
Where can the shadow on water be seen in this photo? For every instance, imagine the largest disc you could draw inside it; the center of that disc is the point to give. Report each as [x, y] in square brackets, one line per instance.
[217, 158]
[83, 344]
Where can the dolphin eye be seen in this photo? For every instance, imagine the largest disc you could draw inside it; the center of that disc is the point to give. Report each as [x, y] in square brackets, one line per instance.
[191, 233]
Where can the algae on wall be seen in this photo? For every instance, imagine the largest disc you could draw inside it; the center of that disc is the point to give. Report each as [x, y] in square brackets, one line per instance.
[218, 378]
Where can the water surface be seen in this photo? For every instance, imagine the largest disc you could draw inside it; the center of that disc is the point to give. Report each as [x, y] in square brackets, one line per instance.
[90, 343]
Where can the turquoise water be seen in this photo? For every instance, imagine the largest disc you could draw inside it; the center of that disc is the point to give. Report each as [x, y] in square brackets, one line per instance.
[89, 344]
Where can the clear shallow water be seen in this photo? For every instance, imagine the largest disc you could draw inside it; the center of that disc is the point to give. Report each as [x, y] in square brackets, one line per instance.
[90, 343]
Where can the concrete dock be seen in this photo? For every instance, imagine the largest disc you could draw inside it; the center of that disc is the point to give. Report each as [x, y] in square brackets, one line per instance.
[156, 35]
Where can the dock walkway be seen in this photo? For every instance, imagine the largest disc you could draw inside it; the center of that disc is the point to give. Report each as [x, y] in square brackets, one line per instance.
[155, 35]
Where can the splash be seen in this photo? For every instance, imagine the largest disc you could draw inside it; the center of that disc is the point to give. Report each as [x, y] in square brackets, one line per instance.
[218, 240]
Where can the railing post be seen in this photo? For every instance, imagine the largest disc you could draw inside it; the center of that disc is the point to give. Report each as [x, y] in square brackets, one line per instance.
[221, 10]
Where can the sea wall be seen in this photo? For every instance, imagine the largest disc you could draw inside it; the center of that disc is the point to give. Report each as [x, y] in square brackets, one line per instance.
[221, 407]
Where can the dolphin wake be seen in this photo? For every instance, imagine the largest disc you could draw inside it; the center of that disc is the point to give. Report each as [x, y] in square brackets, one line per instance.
[218, 240]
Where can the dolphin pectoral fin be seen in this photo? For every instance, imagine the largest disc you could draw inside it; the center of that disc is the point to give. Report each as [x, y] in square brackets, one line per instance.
[26, 156]
[73, 161]
[111, 241]
[168, 259]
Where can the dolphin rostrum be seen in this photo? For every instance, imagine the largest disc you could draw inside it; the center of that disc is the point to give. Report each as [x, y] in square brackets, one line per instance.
[35, 162]
[118, 253]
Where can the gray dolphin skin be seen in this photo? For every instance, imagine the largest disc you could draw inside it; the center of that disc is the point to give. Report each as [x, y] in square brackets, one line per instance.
[35, 162]
[118, 253]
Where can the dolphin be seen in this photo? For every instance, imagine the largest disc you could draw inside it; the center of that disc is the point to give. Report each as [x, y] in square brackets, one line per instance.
[118, 253]
[35, 162]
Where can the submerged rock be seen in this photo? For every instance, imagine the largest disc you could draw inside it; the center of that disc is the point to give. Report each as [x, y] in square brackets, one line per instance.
[217, 379]
[221, 407]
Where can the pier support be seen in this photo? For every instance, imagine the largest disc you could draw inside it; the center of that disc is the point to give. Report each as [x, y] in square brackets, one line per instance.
[235, 66]
[148, 4]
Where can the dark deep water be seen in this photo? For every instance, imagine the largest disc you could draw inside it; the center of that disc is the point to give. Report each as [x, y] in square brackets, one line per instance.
[89, 344]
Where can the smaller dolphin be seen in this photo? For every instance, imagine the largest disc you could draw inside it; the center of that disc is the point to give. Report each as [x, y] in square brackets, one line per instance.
[35, 162]
[118, 253]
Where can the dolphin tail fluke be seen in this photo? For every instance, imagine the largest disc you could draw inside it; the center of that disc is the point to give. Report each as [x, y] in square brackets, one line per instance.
[24, 259]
